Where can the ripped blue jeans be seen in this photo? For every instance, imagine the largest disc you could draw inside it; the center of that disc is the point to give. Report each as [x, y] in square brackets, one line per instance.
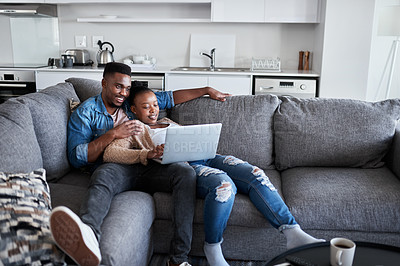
[219, 179]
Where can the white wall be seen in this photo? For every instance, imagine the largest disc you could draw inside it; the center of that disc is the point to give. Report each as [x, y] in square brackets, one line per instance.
[170, 42]
[346, 48]
[380, 48]
[5, 43]
[319, 39]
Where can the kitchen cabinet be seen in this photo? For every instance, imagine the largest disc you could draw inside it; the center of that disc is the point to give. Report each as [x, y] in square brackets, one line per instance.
[121, 1]
[200, 11]
[238, 11]
[146, 11]
[292, 11]
[266, 11]
[25, 1]
[45, 79]
[233, 84]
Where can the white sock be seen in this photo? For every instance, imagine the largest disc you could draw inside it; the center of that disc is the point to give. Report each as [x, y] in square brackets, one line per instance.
[295, 237]
[214, 254]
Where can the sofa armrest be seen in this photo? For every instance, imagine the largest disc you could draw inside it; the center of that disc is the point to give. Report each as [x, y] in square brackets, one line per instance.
[393, 157]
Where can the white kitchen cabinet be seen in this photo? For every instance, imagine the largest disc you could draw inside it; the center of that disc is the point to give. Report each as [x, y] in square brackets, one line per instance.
[25, 1]
[137, 11]
[122, 1]
[182, 81]
[238, 11]
[292, 11]
[45, 79]
[200, 11]
[233, 84]
[267, 11]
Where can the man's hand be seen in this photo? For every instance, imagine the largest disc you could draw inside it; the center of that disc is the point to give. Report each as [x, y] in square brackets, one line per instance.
[157, 152]
[181, 96]
[128, 128]
[217, 95]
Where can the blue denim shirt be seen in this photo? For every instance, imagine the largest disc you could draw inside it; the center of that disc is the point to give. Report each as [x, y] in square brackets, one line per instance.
[91, 120]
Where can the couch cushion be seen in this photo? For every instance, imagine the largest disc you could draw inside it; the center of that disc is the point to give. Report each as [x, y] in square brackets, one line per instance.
[20, 151]
[333, 132]
[85, 88]
[24, 218]
[244, 213]
[246, 124]
[76, 177]
[50, 111]
[127, 230]
[343, 198]
[67, 195]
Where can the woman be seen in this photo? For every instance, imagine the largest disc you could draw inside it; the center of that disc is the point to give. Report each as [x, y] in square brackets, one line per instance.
[218, 180]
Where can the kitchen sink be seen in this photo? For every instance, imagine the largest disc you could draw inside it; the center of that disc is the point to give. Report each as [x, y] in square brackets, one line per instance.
[217, 69]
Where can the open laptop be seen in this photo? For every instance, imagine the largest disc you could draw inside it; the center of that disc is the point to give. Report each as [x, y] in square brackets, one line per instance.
[190, 143]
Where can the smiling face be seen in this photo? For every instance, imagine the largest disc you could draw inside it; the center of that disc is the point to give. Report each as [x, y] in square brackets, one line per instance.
[116, 89]
[145, 107]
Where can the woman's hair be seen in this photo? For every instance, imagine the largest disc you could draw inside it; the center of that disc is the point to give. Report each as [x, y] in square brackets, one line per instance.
[135, 91]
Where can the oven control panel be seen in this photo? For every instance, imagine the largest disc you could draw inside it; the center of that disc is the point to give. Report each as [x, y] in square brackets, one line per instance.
[301, 88]
[17, 76]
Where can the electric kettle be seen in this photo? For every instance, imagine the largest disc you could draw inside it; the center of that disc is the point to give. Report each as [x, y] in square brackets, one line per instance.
[104, 56]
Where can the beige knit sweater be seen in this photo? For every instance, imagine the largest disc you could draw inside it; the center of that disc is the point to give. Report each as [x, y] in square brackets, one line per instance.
[133, 149]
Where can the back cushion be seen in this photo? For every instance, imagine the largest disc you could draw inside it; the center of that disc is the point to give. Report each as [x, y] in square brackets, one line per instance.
[85, 88]
[246, 124]
[19, 149]
[50, 111]
[333, 132]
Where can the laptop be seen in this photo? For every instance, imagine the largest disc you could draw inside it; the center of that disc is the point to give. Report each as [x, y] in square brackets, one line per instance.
[190, 143]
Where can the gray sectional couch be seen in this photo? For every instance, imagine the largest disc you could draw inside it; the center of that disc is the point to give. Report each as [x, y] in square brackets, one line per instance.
[336, 163]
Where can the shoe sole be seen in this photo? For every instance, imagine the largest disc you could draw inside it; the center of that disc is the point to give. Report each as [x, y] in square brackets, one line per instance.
[68, 236]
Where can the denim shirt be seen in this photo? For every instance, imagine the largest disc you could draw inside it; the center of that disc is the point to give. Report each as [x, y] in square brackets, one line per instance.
[91, 120]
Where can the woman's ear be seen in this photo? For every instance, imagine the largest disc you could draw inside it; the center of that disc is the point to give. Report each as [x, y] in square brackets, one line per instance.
[133, 109]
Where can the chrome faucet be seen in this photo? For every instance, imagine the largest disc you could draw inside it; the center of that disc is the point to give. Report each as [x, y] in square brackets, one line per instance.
[212, 58]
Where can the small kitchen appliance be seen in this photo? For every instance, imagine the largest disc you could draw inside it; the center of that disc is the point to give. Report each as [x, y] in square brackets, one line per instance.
[104, 56]
[80, 57]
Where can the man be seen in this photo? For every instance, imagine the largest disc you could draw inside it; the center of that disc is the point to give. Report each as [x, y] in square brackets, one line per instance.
[94, 125]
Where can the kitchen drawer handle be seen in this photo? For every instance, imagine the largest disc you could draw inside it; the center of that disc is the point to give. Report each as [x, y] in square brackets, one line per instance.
[13, 85]
[266, 88]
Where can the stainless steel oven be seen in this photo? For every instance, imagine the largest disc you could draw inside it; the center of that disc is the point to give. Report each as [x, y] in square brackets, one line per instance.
[14, 83]
[286, 86]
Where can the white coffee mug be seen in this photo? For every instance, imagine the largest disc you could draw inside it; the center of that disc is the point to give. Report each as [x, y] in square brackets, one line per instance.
[342, 252]
[128, 61]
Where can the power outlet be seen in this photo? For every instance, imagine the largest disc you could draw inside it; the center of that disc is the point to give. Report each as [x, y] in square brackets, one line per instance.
[80, 41]
[96, 39]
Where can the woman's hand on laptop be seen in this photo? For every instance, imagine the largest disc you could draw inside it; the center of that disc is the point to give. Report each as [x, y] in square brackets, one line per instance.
[157, 152]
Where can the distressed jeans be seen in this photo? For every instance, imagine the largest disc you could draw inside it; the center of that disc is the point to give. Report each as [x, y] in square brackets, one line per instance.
[219, 179]
[109, 179]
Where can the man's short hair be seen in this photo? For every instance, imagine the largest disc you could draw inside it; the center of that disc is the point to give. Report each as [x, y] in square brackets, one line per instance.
[116, 67]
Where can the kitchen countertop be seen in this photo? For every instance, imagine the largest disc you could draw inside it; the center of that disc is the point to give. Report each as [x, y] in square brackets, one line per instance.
[168, 70]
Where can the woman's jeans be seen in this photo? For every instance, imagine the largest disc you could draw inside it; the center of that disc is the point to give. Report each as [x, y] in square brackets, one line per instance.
[110, 179]
[219, 179]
